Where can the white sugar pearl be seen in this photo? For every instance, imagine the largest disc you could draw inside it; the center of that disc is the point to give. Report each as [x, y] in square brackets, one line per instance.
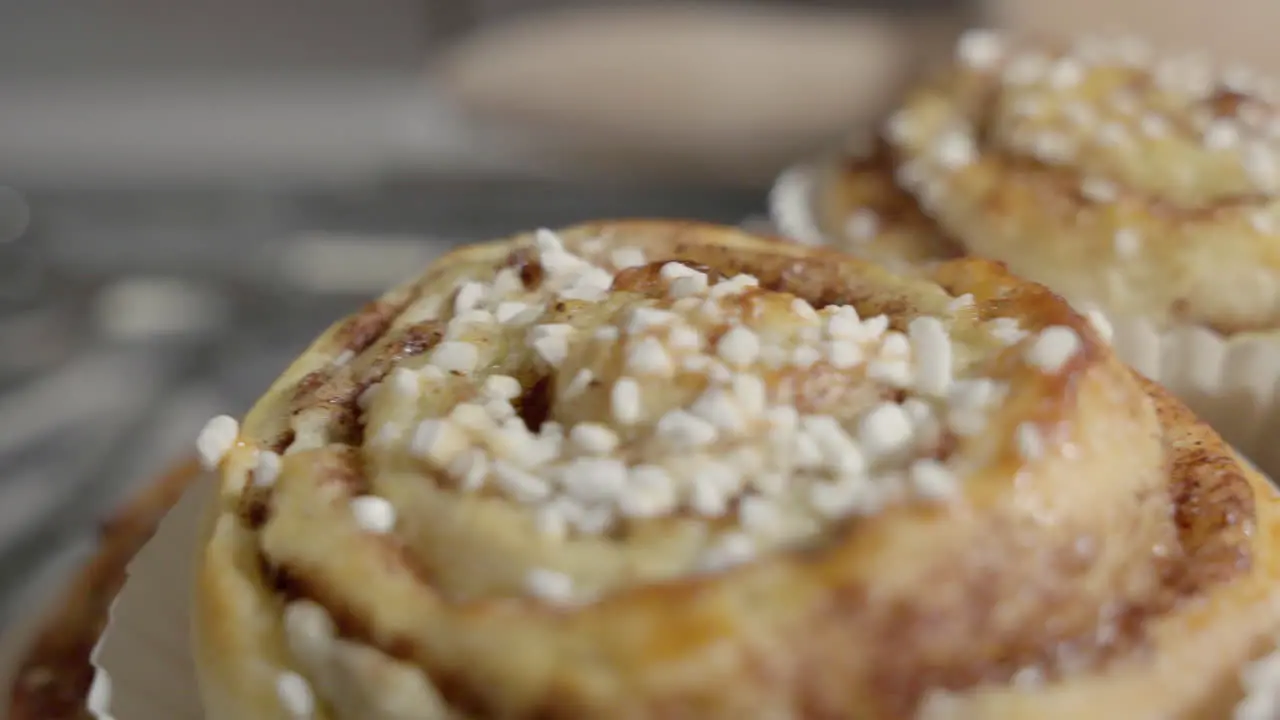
[373, 514]
[308, 626]
[295, 695]
[438, 439]
[932, 480]
[454, 356]
[1053, 348]
[623, 258]
[503, 387]
[739, 346]
[931, 347]
[649, 492]
[734, 548]
[649, 357]
[1030, 445]
[216, 440]
[266, 469]
[553, 349]
[469, 296]
[625, 401]
[549, 585]
[980, 49]
[885, 430]
[593, 438]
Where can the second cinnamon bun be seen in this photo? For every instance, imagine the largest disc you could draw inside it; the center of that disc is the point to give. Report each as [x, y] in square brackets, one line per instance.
[1142, 185]
[670, 470]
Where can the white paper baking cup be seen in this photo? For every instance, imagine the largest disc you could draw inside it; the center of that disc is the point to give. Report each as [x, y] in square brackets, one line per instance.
[143, 665]
[145, 671]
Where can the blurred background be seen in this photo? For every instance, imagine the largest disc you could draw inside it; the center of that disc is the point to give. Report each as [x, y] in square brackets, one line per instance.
[191, 189]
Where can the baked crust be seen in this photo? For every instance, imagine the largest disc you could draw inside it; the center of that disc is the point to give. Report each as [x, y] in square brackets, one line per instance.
[1124, 562]
[1143, 186]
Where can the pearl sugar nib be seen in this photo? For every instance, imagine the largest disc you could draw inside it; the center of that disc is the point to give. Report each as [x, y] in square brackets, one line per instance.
[980, 49]
[1053, 348]
[684, 405]
[373, 514]
[216, 440]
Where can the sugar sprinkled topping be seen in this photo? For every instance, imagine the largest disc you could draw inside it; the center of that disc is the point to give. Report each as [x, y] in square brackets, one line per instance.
[700, 394]
[1061, 107]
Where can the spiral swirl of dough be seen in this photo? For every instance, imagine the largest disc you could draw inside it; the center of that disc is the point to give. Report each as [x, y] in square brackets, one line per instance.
[1145, 186]
[669, 470]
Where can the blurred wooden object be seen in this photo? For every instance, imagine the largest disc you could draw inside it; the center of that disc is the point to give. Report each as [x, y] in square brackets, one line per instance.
[717, 92]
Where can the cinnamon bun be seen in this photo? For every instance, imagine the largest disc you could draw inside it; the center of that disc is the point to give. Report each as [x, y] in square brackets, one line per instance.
[1142, 185]
[651, 469]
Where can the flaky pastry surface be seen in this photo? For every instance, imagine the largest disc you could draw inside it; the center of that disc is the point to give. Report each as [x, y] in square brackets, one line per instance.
[1027, 530]
[1140, 184]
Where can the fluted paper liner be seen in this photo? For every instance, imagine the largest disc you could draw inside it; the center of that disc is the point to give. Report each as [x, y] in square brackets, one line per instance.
[145, 671]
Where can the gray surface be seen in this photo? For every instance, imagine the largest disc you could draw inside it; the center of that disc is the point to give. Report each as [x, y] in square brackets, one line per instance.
[291, 89]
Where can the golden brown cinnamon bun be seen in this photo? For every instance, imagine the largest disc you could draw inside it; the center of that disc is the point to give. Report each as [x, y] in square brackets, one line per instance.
[669, 470]
[1143, 185]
